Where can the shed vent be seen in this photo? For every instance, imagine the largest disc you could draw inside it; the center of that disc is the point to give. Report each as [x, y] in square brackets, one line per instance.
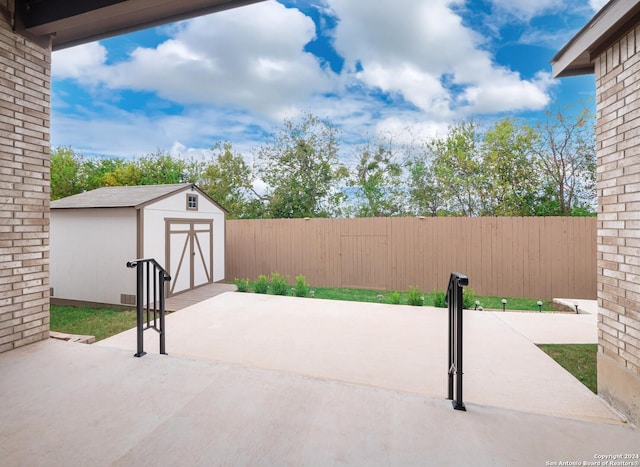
[127, 299]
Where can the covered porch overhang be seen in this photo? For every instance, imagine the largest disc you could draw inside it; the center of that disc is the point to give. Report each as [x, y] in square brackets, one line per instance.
[72, 22]
[607, 26]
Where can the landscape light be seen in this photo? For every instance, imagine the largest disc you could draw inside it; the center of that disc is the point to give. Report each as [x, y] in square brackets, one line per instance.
[379, 297]
[312, 293]
[477, 304]
[539, 305]
[504, 304]
[576, 305]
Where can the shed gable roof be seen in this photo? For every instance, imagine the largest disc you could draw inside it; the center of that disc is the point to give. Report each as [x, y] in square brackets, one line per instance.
[120, 196]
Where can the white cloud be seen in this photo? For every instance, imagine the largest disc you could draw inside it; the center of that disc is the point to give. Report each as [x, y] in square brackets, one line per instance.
[250, 57]
[504, 89]
[115, 132]
[247, 68]
[527, 9]
[553, 40]
[422, 51]
[83, 63]
[596, 5]
[408, 130]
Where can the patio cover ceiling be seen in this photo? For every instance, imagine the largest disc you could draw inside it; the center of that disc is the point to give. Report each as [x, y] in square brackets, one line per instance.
[73, 22]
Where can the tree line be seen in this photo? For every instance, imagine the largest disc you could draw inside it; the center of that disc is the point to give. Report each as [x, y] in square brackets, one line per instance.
[509, 168]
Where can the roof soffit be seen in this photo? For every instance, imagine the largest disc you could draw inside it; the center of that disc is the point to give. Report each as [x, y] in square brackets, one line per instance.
[73, 22]
[610, 23]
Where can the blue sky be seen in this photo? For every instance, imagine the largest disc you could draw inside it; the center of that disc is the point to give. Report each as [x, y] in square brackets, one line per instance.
[401, 69]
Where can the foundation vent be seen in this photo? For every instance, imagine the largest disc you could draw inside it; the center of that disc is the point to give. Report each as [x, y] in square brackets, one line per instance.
[127, 299]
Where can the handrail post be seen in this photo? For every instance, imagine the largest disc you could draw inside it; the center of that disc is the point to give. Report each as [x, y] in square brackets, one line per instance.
[139, 310]
[161, 281]
[451, 341]
[143, 302]
[455, 305]
[459, 405]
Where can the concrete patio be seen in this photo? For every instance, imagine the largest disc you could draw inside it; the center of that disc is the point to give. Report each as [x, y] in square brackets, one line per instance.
[264, 380]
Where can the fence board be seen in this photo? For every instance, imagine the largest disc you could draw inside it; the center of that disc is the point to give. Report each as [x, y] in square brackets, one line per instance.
[512, 257]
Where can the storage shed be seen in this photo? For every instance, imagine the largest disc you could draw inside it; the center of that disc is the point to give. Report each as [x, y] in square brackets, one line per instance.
[94, 234]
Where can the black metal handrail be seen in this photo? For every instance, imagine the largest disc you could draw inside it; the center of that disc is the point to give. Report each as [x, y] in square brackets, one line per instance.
[457, 282]
[149, 302]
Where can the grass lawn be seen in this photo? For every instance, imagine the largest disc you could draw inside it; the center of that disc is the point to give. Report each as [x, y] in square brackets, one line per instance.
[367, 295]
[524, 304]
[577, 359]
[89, 321]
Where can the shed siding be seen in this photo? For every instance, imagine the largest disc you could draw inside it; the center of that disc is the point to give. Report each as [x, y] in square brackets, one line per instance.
[24, 189]
[91, 249]
[618, 131]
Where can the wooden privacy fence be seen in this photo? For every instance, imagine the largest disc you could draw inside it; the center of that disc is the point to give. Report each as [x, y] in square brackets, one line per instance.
[529, 257]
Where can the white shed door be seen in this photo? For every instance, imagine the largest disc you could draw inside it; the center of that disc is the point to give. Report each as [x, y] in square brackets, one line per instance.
[189, 251]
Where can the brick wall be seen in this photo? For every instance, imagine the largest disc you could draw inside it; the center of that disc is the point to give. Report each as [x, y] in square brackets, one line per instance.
[24, 190]
[618, 135]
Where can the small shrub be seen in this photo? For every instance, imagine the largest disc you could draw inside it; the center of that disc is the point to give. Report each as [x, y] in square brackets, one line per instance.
[242, 284]
[468, 298]
[279, 284]
[301, 288]
[261, 285]
[439, 298]
[414, 297]
[394, 297]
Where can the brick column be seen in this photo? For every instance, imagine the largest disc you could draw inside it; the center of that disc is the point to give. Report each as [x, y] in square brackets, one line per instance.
[24, 189]
[618, 134]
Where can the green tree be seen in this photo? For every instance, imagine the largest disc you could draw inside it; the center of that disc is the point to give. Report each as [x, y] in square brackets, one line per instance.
[161, 168]
[153, 169]
[510, 180]
[567, 156]
[377, 182]
[457, 168]
[228, 179]
[425, 194]
[66, 173]
[301, 169]
[127, 174]
[98, 171]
